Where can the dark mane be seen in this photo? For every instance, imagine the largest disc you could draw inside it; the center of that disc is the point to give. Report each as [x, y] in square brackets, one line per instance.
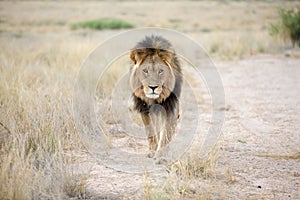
[169, 104]
[153, 44]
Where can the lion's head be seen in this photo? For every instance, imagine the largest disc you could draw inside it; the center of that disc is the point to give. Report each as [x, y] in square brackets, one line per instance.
[156, 72]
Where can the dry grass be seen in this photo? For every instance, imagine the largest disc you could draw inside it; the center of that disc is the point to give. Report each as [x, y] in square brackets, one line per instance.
[36, 88]
[293, 156]
[190, 178]
[195, 166]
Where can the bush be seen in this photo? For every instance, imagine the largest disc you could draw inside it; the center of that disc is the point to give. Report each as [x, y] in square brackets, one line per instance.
[288, 26]
[100, 24]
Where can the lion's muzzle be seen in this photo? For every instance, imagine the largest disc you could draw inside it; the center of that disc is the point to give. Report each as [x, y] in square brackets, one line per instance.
[152, 91]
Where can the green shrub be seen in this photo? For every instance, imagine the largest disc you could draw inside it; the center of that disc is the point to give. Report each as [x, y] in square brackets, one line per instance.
[100, 24]
[288, 26]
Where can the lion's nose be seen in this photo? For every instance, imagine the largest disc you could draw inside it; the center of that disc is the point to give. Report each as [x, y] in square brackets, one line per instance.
[153, 87]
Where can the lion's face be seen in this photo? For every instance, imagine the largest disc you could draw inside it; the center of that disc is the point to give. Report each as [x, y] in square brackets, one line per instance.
[152, 78]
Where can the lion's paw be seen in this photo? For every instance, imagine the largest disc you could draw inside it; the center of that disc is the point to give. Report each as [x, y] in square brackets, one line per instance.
[161, 161]
[151, 154]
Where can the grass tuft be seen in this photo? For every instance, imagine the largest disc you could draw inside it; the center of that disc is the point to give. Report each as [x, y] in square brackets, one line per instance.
[288, 26]
[100, 24]
[194, 166]
[185, 175]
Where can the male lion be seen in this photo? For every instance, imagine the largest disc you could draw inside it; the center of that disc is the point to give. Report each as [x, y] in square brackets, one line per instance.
[156, 81]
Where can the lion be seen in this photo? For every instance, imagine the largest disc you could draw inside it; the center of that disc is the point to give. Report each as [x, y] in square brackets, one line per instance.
[156, 81]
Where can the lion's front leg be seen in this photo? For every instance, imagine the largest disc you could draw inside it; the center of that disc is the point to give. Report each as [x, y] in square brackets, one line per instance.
[167, 132]
[152, 138]
[166, 135]
[152, 142]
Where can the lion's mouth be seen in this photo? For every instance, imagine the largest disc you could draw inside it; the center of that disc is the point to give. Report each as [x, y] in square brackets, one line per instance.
[152, 95]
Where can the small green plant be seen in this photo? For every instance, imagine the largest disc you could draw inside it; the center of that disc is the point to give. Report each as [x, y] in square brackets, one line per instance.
[100, 24]
[288, 26]
[242, 141]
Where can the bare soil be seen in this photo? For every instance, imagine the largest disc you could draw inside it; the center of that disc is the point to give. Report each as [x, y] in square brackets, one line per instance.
[261, 130]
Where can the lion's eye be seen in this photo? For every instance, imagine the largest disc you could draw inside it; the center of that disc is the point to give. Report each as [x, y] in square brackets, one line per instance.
[160, 71]
[145, 71]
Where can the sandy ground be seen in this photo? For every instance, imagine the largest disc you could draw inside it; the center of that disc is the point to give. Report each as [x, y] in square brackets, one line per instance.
[260, 142]
[261, 131]
[259, 156]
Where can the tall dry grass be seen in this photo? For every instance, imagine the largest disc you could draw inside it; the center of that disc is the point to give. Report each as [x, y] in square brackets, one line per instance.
[37, 130]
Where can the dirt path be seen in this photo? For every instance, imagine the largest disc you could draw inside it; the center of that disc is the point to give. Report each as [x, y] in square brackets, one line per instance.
[261, 131]
[260, 154]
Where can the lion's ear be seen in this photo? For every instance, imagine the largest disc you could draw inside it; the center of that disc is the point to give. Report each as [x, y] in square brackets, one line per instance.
[137, 56]
[167, 55]
[133, 56]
